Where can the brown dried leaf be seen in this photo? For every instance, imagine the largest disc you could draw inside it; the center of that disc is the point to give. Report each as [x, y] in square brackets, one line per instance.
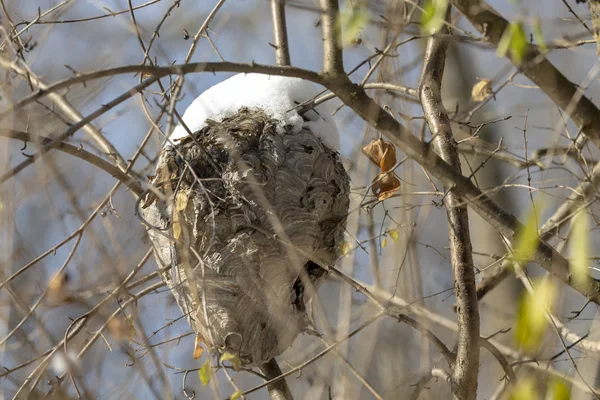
[481, 90]
[57, 289]
[181, 200]
[198, 350]
[385, 185]
[381, 153]
[122, 328]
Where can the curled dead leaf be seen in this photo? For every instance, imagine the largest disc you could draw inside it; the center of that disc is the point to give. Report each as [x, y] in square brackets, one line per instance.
[381, 153]
[385, 185]
[481, 90]
[57, 289]
[198, 350]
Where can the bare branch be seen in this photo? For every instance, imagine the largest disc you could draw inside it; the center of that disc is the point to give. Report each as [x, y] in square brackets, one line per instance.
[466, 368]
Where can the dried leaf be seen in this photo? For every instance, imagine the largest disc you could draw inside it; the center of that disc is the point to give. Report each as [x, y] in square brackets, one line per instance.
[122, 328]
[57, 288]
[385, 185]
[176, 227]
[235, 361]
[181, 200]
[198, 350]
[381, 153]
[130, 328]
[481, 90]
[205, 373]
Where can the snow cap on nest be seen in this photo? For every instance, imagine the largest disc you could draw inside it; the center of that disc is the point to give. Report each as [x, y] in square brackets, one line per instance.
[275, 95]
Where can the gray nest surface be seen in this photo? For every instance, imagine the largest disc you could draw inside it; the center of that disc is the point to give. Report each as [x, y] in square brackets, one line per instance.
[256, 214]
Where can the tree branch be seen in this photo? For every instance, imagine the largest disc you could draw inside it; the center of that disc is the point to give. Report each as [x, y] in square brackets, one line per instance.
[282, 51]
[466, 368]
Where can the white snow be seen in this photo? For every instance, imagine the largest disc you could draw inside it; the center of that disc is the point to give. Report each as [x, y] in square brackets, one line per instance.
[276, 95]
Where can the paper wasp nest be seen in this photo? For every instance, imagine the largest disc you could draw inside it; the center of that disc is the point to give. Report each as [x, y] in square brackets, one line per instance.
[256, 202]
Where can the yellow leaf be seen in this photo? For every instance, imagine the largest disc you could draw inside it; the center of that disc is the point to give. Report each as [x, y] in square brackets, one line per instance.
[524, 390]
[579, 250]
[558, 390]
[531, 317]
[236, 395]
[205, 373]
[433, 16]
[383, 243]
[527, 239]
[481, 90]
[539, 36]
[235, 361]
[345, 249]
[351, 23]
[394, 235]
[513, 41]
[198, 350]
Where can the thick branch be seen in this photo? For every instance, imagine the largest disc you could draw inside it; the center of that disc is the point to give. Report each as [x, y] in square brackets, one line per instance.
[282, 51]
[333, 62]
[536, 67]
[466, 368]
